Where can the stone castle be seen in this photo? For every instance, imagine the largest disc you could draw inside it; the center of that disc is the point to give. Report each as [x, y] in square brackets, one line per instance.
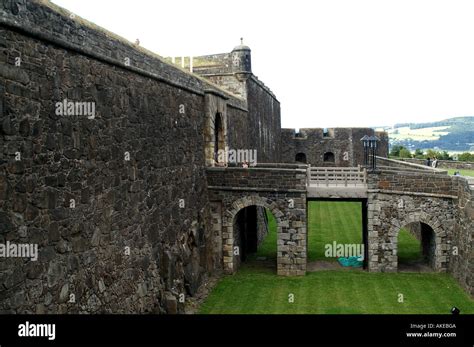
[131, 203]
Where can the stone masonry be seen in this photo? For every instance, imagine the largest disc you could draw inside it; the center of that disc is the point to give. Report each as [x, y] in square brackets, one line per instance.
[117, 203]
[282, 191]
[335, 147]
[129, 207]
[399, 198]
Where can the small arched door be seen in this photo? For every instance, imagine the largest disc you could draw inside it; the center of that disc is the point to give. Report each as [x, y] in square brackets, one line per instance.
[219, 140]
[329, 157]
[300, 158]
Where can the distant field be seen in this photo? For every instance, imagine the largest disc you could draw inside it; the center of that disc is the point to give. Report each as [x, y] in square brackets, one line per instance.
[423, 134]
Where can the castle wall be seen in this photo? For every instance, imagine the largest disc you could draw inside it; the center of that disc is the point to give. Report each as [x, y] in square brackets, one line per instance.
[238, 136]
[445, 164]
[343, 143]
[462, 260]
[117, 204]
[229, 82]
[264, 122]
[383, 145]
[258, 129]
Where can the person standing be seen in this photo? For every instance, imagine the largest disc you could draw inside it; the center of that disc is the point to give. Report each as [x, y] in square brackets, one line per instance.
[428, 161]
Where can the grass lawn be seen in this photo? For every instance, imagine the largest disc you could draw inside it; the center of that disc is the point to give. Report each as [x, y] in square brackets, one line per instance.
[332, 221]
[256, 289]
[409, 248]
[268, 247]
[462, 172]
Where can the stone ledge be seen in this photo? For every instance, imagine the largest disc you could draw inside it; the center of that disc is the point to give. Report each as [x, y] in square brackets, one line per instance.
[401, 192]
[252, 189]
[256, 168]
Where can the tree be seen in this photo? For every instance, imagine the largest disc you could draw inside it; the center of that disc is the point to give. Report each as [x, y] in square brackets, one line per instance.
[405, 153]
[444, 156]
[395, 152]
[419, 154]
[466, 156]
[431, 153]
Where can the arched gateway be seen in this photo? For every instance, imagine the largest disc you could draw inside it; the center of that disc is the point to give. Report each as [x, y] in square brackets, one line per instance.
[291, 232]
[282, 190]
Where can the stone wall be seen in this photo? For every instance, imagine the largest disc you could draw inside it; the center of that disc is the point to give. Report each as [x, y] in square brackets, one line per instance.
[262, 225]
[407, 166]
[383, 145]
[412, 181]
[282, 191]
[445, 164]
[343, 143]
[135, 171]
[394, 203]
[259, 128]
[462, 257]
[427, 202]
[117, 203]
[257, 178]
[264, 124]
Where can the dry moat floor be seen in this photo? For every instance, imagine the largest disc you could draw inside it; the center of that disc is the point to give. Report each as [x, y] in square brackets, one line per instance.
[329, 288]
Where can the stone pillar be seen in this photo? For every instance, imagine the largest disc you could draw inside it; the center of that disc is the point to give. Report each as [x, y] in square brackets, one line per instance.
[292, 241]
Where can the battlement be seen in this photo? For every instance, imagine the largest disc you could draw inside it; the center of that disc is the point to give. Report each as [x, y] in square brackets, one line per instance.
[230, 71]
[329, 146]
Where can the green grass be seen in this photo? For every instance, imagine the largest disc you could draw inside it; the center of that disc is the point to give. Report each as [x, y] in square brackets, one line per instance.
[256, 289]
[260, 291]
[409, 248]
[462, 172]
[268, 247]
[342, 222]
[332, 221]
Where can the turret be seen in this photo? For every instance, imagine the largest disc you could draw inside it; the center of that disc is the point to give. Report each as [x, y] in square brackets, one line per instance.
[241, 59]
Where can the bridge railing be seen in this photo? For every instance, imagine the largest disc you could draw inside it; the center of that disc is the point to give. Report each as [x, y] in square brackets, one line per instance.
[336, 176]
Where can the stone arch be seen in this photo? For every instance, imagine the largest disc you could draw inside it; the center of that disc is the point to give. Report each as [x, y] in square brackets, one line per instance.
[219, 139]
[215, 131]
[441, 245]
[228, 225]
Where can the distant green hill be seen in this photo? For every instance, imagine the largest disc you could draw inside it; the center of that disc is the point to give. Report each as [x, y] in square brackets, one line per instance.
[453, 134]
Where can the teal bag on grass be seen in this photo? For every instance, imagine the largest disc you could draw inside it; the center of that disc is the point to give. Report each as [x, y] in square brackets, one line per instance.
[351, 261]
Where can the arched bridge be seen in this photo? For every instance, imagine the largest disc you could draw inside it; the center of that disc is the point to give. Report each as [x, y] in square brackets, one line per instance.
[396, 195]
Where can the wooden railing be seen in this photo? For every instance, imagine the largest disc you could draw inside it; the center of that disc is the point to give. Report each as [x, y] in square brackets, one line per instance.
[336, 176]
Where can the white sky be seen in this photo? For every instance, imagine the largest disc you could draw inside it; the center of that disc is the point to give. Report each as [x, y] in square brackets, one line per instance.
[331, 62]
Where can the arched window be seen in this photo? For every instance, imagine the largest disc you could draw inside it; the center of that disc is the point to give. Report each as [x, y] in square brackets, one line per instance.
[329, 157]
[300, 158]
[219, 142]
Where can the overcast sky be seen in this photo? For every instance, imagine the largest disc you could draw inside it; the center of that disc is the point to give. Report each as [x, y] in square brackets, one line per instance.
[330, 63]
